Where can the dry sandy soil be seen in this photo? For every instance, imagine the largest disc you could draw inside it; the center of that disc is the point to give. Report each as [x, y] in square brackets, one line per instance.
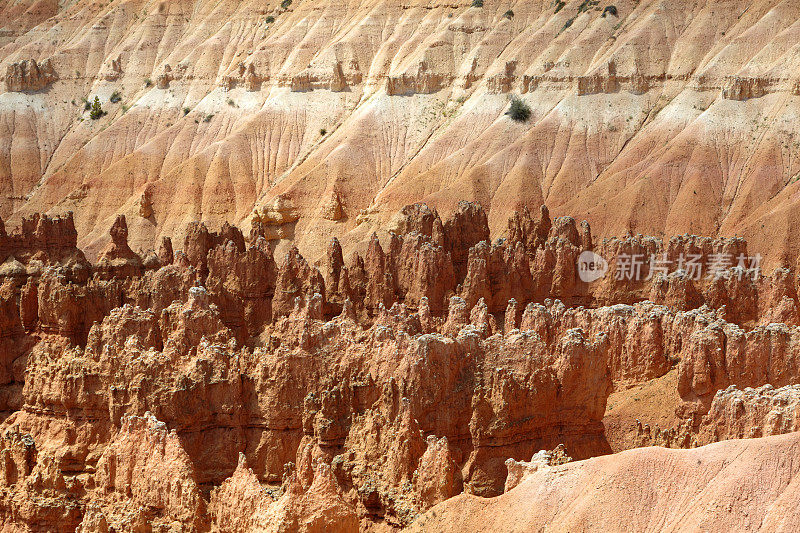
[742, 485]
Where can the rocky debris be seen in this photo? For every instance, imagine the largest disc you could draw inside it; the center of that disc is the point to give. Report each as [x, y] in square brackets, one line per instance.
[741, 88]
[112, 70]
[502, 82]
[29, 76]
[146, 204]
[333, 76]
[165, 77]
[420, 79]
[599, 82]
[333, 209]
[518, 470]
[246, 76]
[274, 220]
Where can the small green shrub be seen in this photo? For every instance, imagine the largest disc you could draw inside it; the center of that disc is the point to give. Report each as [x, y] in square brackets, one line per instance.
[97, 110]
[208, 118]
[559, 5]
[87, 105]
[286, 3]
[477, 3]
[610, 10]
[186, 111]
[518, 110]
[270, 19]
[323, 132]
[230, 102]
[116, 97]
[568, 23]
[148, 82]
[509, 14]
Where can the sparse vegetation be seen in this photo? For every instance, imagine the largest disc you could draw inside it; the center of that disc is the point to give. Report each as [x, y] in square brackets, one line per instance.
[87, 105]
[208, 118]
[477, 3]
[586, 4]
[286, 3]
[186, 111]
[97, 110]
[148, 82]
[231, 103]
[323, 132]
[116, 97]
[568, 23]
[270, 19]
[518, 110]
[610, 10]
[559, 5]
[509, 14]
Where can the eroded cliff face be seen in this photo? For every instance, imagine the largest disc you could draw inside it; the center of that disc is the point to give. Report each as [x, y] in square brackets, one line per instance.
[217, 386]
[317, 119]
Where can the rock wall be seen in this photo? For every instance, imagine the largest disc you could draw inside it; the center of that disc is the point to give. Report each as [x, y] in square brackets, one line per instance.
[28, 75]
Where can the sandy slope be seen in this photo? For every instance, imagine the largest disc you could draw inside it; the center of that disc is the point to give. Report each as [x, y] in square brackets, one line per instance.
[669, 117]
[746, 485]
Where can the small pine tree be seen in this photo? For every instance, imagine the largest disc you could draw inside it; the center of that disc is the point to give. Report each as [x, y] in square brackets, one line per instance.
[97, 110]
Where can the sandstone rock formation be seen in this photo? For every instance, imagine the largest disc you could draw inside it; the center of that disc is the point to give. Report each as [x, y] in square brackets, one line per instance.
[28, 75]
[301, 276]
[217, 388]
